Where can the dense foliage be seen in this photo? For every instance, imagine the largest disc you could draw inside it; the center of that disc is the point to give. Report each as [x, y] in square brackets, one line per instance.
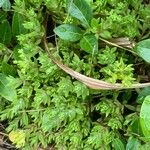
[43, 106]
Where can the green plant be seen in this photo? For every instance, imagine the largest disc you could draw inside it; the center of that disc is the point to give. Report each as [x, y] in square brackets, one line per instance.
[43, 105]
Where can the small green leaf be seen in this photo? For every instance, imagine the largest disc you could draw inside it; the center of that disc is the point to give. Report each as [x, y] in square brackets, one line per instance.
[24, 119]
[135, 127]
[133, 144]
[66, 84]
[118, 144]
[145, 117]
[95, 25]
[68, 32]
[143, 93]
[52, 5]
[107, 56]
[106, 34]
[8, 69]
[143, 49]
[3, 15]
[89, 43]
[16, 53]
[6, 5]
[80, 10]
[6, 91]
[17, 24]
[81, 90]
[5, 32]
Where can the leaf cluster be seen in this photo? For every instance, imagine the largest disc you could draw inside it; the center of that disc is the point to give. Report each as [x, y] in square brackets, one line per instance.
[42, 105]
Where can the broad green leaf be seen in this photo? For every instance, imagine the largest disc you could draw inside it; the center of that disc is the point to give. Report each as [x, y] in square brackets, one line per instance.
[135, 127]
[143, 93]
[17, 24]
[5, 32]
[118, 144]
[80, 10]
[133, 144]
[1, 3]
[6, 5]
[6, 91]
[8, 69]
[143, 49]
[13, 82]
[89, 43]
[145, 117]
[68, 32]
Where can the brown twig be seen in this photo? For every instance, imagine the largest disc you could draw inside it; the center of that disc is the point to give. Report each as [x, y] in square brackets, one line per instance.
[4, 134]
[111, 42]
[90, 82]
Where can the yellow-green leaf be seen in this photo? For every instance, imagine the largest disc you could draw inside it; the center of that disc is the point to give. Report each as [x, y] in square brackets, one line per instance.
[17, 137]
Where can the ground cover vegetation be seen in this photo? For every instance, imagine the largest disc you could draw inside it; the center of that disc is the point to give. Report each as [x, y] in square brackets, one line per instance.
[71, 73]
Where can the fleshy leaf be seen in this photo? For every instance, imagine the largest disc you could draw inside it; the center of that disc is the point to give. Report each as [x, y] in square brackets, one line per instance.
[80, 10]
[68, 32]
[143, 49]
[89, 43]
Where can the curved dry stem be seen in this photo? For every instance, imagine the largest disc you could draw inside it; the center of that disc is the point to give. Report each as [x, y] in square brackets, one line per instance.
[88, 81]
